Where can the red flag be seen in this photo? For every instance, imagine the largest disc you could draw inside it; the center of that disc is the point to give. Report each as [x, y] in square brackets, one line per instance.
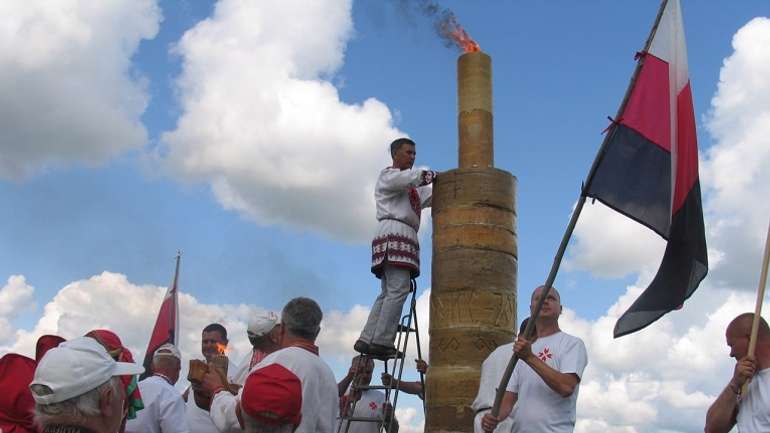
[649, 171]
[166, 325]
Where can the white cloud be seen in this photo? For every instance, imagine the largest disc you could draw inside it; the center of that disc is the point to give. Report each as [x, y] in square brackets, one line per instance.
[68, 90]
[409, 421]
[612, 245]
[736, 170]
[263, 124]
[15, 296]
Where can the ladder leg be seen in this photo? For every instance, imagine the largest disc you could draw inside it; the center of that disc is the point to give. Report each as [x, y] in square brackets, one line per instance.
[417, 339]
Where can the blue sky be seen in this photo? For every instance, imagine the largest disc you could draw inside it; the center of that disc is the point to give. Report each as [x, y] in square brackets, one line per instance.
[268, 204]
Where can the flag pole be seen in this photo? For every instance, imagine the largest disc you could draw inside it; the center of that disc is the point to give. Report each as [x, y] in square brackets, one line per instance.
[500, 392]
[758, 307]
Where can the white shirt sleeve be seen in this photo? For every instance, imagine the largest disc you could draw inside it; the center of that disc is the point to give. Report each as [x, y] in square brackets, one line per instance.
[223, 414]
[171, 413]
[399, 180]
[574, 358]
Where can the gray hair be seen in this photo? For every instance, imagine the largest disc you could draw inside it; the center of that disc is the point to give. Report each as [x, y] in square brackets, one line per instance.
[302, 317]
[250, 425]
[85, 405]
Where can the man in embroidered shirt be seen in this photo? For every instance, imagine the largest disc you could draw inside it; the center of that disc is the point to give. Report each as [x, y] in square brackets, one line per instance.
[544, 386]
[369, 403]
[164, 409]
[77, 389]
[401, 193]
[299, 327]
[749, 411]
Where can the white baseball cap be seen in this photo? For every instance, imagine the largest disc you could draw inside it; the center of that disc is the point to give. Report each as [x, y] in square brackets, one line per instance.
[167, 349]
[76, 367]
[262, 323]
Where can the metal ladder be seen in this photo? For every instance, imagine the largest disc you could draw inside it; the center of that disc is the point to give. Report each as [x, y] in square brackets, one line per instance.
[406, 326]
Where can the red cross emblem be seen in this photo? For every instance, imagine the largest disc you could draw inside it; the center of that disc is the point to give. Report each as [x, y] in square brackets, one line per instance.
[373, 405]
[545, 355]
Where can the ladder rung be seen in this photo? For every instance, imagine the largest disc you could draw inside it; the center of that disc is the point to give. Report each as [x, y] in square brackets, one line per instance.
[402, 328]
[363, 419]
[372, 387]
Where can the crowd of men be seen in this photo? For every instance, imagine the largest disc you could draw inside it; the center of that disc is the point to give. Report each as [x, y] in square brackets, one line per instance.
[89, 384]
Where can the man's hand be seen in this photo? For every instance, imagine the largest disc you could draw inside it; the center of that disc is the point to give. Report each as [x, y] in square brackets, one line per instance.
[744, 371]
[523, 348]
[489, 423]
[211, 382]
[422, 366]
[386, 379]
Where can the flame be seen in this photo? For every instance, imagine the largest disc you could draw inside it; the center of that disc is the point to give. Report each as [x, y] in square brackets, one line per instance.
[452, 30]
[221, 348]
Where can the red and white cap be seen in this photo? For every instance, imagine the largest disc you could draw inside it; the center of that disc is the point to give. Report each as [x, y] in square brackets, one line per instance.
[273, 395]
[76, 367]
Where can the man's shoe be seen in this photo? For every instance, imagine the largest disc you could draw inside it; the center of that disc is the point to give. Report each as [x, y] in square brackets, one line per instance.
[381, 352]
[361, 346]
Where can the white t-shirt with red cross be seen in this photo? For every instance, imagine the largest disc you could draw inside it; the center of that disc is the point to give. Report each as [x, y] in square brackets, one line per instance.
[539, 409]
[369, 406]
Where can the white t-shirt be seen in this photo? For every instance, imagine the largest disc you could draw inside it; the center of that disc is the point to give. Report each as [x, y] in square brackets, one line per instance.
[163, 409]
[539, 408]
[320, 399]
[754, 407]
[369, 406]
[491, 372]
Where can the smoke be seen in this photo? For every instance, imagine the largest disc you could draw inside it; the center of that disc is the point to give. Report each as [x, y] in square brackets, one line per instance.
[445, 23]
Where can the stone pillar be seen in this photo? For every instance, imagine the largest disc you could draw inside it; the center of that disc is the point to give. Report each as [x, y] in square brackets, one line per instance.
[474, 268]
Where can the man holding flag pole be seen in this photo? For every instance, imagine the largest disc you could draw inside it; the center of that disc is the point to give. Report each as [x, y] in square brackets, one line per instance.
[647, 169]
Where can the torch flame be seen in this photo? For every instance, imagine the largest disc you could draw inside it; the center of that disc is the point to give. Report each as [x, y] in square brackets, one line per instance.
[452, 30]
[221, 348]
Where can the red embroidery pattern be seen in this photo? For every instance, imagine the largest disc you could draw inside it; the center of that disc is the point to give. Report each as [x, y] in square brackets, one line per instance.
[414, 201]
[545, 355]
[373, 405]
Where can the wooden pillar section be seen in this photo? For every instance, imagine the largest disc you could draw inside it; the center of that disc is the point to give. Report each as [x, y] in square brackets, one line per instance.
[473, 288]
[474, 117]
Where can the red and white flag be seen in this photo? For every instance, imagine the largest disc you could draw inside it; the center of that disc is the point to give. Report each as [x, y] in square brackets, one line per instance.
[649, 170]
[167, 323]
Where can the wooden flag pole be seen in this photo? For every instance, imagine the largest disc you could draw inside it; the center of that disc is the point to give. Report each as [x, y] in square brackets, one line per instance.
[500, 392]
[758, 307]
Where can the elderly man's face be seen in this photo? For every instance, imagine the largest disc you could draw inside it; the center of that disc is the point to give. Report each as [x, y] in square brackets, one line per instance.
[114, 408]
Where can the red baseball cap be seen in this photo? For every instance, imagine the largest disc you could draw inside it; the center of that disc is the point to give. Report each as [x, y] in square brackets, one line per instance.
[273, 395]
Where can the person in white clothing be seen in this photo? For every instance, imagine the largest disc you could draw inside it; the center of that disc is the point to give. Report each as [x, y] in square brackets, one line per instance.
[164, 409]
[299, 327]
[542, 393]
[260, 332]
[77, 388]
[213, 340]
[492, 370]
[750, 411]
[368, 403]
[401, 193]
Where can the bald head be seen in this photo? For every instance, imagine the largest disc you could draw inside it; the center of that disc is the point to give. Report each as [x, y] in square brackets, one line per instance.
[540, 289]
[741, 326]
